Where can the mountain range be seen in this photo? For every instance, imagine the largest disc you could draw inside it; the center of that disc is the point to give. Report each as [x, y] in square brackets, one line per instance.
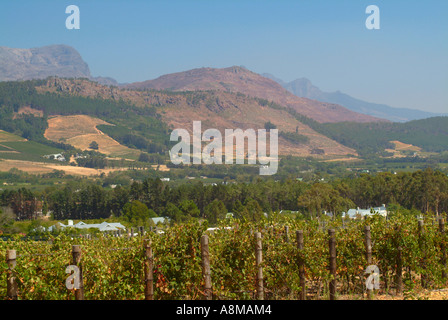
[65, 62]
[239, 79]
[39, 63]
[215, 109]
[303, 87]
[70, 106]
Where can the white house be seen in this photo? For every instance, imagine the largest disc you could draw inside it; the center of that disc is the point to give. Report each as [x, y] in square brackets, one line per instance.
[212, 230]
[353, 213]
[160, 219]
[104, 226]
[56, 156]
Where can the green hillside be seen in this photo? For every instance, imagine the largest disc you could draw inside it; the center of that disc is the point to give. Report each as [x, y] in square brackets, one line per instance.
[142, 127]
[136, 127]
[429, 134]
[373, 138]
[15, 147]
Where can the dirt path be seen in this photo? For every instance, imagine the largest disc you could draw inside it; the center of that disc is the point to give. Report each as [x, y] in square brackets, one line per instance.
[421, 294]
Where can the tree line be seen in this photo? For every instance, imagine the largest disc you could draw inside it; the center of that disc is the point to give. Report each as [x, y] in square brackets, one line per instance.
[422, 191]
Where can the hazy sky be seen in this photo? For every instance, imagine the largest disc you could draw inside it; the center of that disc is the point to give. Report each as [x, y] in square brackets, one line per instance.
[404, 64]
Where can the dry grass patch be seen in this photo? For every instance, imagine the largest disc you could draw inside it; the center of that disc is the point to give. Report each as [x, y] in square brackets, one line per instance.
[42, 167]
[400, 146]
[28, 110]
[80, 130]
[400, 149]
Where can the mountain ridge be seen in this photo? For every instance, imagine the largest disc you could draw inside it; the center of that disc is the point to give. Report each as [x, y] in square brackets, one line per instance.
[241, 80]
[303, 87]
[65, 62]
[216, 109]
[59, 60]
[41, 62]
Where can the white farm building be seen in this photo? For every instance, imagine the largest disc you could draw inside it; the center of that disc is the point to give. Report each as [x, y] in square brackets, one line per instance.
[354, 213]
[104, 226]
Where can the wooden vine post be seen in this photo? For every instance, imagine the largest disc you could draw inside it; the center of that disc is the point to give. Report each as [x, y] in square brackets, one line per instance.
[421, 233]
[206, 274]
[399, 272]
[368, 244]
[149, 271]
[332, 260]
[301, 263]
[259, 260]
[443, 247]
[76, 253]
[12, 290]
[368, 248]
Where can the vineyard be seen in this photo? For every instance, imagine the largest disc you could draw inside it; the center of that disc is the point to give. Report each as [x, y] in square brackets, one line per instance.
[280, 258]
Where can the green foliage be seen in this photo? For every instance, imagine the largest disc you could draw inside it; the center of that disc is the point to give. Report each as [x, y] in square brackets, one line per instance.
[93, 145]
[7, 222]
[189, 208]
[251, 211]
[93, 159]
[137, 213]
[367, 138]
[294, 137]
[76, 201]
[420, 191]
[372, 138]
[142, 133]
[173, 212]
[215, 211]
[269, 125]
[29, 150]
[323, 197]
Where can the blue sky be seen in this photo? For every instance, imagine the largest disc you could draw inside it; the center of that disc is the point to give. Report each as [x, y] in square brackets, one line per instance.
[403, 64]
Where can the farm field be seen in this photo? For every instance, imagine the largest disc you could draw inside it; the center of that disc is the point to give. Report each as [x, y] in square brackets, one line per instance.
[44, 167]
[17, 148]
[28, 156]
[6, 136]
[80, 130]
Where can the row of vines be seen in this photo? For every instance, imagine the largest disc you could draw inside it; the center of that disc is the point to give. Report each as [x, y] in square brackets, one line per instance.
[113, 267]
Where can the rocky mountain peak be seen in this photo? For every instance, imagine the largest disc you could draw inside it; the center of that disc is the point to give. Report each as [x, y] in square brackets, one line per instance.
[42, 62]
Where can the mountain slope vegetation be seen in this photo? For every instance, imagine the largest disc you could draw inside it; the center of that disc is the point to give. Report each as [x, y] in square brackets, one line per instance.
[142, 119]
[152, 113]
[239, 79]
[431, 134]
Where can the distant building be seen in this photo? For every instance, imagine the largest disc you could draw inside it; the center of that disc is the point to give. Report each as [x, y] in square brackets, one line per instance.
[212, 230]
[104, 226]
[288, 211]
[56, 156]
[159, 220]
[354, 213]
[328, 214]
